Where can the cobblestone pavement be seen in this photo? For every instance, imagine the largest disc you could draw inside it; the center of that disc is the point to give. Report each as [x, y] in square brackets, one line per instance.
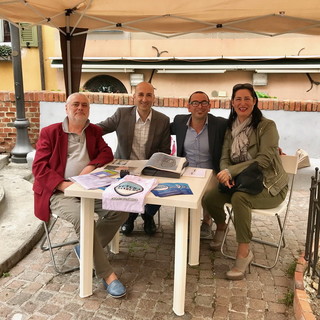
[32, 290]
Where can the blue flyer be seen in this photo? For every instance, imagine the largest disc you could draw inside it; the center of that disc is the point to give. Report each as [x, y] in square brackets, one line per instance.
[171, 189]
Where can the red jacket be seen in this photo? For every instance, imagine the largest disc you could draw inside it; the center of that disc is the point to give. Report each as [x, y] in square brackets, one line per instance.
[50, 161]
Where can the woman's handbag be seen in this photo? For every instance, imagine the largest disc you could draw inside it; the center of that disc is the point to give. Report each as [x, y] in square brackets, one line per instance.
[250, 180]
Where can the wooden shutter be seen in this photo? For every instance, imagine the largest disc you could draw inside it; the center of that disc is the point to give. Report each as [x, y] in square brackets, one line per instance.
[28, 35]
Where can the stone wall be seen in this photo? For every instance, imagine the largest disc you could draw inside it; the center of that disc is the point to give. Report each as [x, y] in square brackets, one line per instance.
[33, 99]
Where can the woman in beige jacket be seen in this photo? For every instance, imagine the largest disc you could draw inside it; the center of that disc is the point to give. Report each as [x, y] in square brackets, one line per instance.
[249, 138]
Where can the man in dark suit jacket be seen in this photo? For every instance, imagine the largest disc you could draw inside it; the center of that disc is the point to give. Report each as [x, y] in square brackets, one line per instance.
[199, 138]
[67, 149]
[141, 131]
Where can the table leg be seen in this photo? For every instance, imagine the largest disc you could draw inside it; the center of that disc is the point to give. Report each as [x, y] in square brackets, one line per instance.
[194, 236]
[180, 261]
[86, 246]
[114, 243]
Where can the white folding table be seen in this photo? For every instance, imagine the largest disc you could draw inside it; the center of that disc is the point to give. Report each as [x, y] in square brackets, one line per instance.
[182, 203]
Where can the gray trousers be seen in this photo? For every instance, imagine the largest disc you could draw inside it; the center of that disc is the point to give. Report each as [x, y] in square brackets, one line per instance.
[242, 203]
[108, 224]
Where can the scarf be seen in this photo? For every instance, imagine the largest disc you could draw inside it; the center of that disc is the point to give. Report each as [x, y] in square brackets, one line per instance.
[240, 133]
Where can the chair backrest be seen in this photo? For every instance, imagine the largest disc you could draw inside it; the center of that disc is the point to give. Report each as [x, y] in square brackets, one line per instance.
[290, 163]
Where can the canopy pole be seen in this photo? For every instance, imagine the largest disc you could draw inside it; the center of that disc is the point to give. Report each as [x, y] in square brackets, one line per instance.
[23, 146]
[72, 49]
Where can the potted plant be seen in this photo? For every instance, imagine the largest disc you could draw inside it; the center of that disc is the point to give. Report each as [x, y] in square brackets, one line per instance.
[5, 52]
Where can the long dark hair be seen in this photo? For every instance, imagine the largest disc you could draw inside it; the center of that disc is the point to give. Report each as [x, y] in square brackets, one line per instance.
[256, 112]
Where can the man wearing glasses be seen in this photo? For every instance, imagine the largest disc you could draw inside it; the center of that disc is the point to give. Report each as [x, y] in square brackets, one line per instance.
[70, 148]
[199, 137]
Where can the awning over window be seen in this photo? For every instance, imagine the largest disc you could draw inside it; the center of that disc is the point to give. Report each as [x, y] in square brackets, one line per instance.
[279, 64]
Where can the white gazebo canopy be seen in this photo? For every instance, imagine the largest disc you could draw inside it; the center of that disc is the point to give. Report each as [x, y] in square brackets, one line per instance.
[170, 17]
[165, 18]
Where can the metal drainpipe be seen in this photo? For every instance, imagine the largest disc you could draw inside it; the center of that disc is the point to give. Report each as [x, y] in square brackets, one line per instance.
[23, 146]
[41, 60]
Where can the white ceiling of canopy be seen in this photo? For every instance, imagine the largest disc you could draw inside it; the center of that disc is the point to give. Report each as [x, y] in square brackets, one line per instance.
[171, 17]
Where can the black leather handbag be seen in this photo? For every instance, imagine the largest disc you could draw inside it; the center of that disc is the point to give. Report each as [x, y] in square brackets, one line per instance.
[250, 180]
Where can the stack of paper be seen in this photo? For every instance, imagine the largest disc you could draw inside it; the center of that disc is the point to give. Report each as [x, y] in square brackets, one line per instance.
[93, 180]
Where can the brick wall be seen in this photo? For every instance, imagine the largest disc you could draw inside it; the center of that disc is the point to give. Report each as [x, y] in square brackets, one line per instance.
[32, 109]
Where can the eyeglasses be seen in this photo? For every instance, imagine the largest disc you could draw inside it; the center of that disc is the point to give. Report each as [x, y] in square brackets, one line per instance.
[203, 103]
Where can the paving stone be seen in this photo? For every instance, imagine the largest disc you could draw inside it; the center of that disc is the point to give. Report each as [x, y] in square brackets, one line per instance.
[276, 316]
[238, 304]
[16, 284]
[38, 317]
[124, 314]
[4, 311]
[69, 288]
[84, 315]
[29, 276]
[220, 311]
[257, 305]
[203, 311]
[239, 292]
[277, 307]
[255, 315]
[205, 290]
[44, 296]
[223, 301]
[62, 316]
[257, 294]
[30, 307]
[237, 316]
[269, 297]
[19, 298]
[32, 287]
[50, 309]
[92, 304]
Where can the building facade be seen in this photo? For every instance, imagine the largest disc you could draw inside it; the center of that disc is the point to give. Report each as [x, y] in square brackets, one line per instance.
[284, 67]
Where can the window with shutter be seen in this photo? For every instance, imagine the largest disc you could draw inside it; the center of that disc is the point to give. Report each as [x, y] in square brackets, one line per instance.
[4, 31]
[28, 35]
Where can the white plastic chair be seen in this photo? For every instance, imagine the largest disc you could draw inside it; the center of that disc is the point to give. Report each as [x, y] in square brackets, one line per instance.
[290, 165]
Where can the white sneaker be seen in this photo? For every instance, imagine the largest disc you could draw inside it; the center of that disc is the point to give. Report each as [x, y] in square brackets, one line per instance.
[205, 231]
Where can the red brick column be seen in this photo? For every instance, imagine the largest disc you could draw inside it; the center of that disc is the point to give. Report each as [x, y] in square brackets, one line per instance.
[301, 305]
